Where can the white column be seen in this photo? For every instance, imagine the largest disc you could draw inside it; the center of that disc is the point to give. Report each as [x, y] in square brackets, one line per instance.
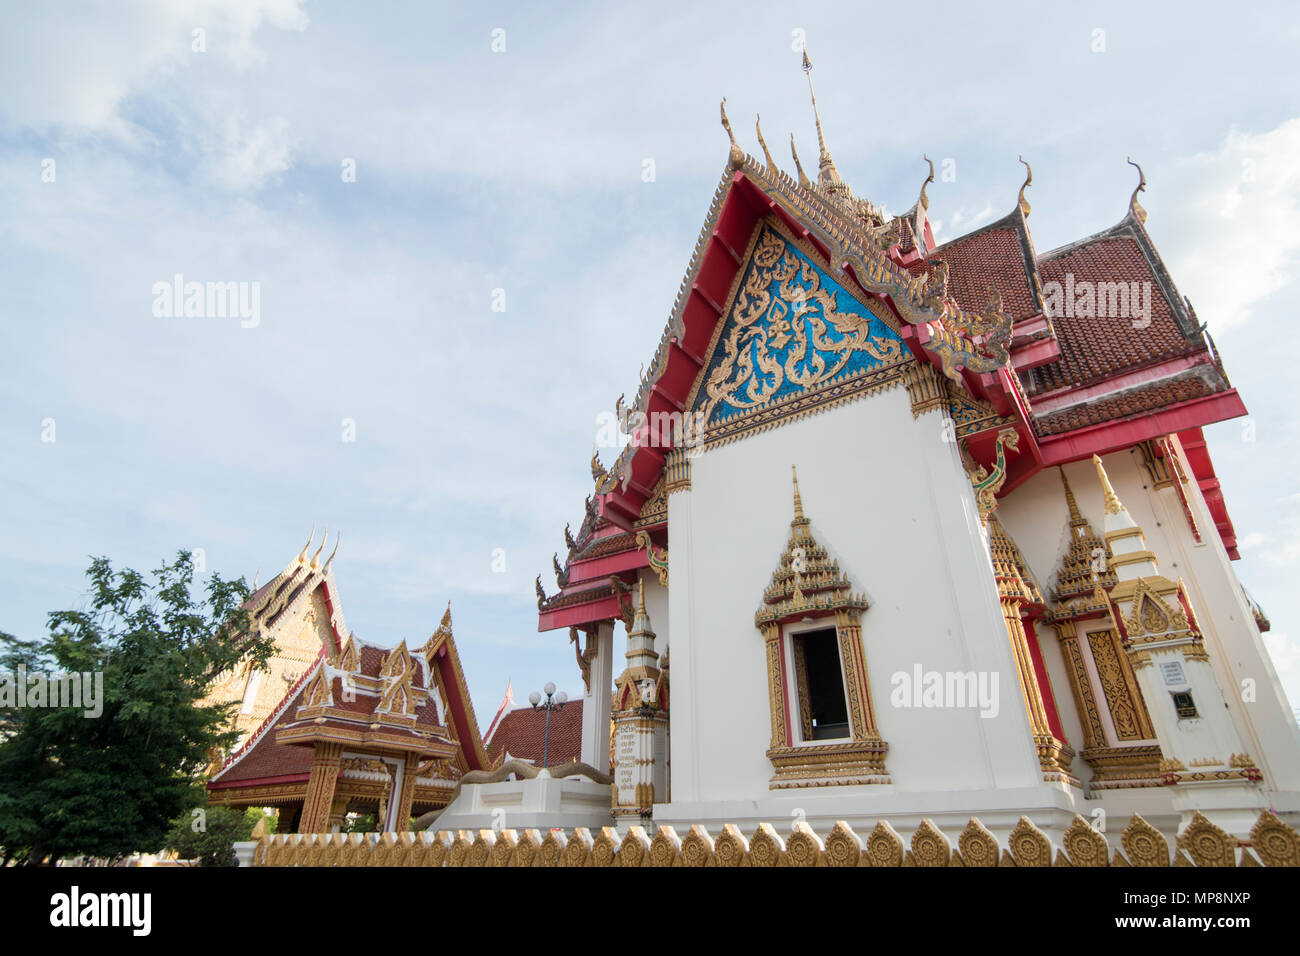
[684, 710]
[595, 706]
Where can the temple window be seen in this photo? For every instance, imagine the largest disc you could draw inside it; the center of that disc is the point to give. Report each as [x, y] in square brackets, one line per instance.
[819, 677]
[823, 726]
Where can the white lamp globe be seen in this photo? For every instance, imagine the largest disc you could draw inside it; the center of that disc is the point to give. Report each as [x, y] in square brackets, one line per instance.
[534, 698]
[549, 688]
[561, 697]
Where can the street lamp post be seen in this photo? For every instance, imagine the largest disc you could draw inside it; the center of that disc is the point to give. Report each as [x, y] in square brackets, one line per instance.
[553, 701]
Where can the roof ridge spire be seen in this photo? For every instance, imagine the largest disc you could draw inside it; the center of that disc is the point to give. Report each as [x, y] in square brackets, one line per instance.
[1134, 207]
[827, 174]
[736, 155]
[803, 177]
[1022, 202]
[1076, 517]
[771, 163]
[798, 501]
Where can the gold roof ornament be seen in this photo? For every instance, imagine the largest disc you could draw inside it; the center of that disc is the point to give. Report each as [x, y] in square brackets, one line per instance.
[302, 555]
[771, 163]
[337, 538]
[798, 501]
[1134, 207]
[924, 201]
[315, 558]
[803, 177]
[1023, 203]
[1113, 505]
[736, 157]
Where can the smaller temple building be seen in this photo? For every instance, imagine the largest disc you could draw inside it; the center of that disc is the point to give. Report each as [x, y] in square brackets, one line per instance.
[385, 731]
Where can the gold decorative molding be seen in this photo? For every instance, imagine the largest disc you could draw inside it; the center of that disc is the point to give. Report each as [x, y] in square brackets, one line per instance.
[1201, 843]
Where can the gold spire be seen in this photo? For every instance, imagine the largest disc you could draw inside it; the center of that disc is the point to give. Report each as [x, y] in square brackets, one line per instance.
[798, 502]
[803, 177]
[736, 157]
[924, 201]
[1134, 207]
[445, 623]
[1029, 178]
[771, 163]
[826, 172]
[1113, 504]
[1076, 519]
[640, 596]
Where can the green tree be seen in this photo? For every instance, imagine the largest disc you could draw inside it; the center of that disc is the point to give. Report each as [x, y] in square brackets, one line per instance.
[110, 785]
[207, 835]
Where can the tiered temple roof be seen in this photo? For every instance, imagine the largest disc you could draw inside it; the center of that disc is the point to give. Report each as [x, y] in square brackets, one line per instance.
[1022, 335]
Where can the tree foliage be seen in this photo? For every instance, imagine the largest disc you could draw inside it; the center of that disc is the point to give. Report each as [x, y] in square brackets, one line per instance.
[208, 835]
[111, 785]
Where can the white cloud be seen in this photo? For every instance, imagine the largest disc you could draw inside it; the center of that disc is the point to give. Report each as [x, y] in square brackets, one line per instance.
[1227, 222]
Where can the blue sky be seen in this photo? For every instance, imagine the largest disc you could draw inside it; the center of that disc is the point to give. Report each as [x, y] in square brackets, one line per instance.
[523, 170]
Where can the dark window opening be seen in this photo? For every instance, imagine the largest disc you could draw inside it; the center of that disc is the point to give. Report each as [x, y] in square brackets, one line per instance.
[823, 709]
[1184, 705]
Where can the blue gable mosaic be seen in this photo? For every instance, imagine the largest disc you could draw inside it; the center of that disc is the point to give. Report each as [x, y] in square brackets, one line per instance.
[792, 330]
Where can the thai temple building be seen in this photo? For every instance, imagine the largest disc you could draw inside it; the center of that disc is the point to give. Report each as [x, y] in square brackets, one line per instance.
[926, 530]
[902, 531]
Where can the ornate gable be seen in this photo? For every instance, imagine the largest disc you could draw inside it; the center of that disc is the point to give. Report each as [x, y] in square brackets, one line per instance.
[794, 340]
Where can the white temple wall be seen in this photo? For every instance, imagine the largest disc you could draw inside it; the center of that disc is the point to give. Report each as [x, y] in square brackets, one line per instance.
[1036, 516]
[887, 497]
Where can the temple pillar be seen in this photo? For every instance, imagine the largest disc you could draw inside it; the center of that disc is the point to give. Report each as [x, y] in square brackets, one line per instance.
[338, 813]
[640, 724]
[681, 555]
[595, 706]
[320, 788]
[403, 794]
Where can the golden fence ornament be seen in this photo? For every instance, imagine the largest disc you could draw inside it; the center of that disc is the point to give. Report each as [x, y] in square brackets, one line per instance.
[1275, 842]
[1084, 845]
[731, 847]
[1201, 844]
[1144, 845]
[767, 847]
[1029, 845]
[697, 848]
[977, 846]
[666, 848]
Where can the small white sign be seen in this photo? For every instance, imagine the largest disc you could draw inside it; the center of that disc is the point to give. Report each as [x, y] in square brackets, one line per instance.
[1172, 671]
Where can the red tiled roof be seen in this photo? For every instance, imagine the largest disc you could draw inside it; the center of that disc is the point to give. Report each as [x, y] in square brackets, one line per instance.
[1136, 402]
[522, 734]
[1096, 348]
[271, 759]
[995, 255]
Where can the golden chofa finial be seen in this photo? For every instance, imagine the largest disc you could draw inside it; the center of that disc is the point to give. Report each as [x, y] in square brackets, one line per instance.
[924, 201]
[328, 561]
[1113, 505]
[803, 177]
[1134, 207]
[445, 623]
[771, 163]
[1029, 178]
[798, 501]
[302, 555]
[315, 558]
[736, 157]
